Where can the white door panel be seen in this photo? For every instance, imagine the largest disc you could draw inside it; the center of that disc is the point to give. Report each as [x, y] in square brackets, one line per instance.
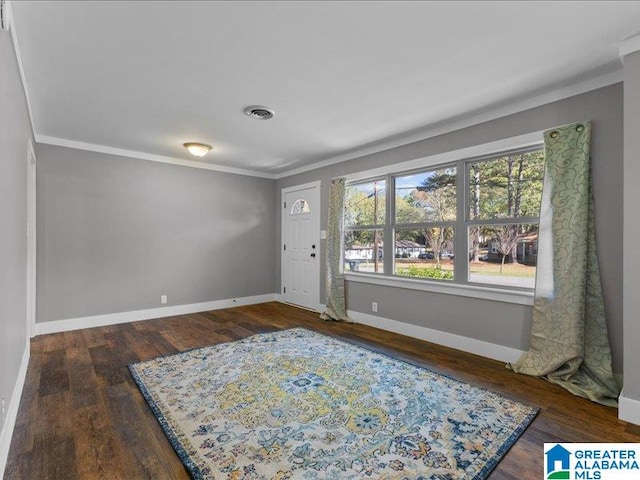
[301, 246]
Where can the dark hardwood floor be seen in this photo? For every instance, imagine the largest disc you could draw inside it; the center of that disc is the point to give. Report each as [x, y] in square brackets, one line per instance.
[82, 416]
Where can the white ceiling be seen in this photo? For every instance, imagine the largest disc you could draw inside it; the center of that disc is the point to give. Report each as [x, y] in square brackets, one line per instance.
[341, 76]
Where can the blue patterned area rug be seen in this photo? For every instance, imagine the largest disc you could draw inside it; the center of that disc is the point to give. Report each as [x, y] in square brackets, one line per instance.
[299, 405]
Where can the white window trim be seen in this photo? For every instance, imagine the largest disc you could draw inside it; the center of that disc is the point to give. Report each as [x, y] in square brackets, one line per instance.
[512, 143]
[466, 290]
[459, 289]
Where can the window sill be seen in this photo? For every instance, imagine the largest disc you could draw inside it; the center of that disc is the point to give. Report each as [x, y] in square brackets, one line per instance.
[473, 291]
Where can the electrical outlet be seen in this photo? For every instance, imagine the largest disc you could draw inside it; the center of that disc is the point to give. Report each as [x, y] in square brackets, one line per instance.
[374, 306]
[163, 299]
[3, 410]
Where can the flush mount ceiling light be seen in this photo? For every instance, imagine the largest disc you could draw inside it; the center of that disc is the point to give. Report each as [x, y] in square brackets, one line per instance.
[197, 149]
[258, 112]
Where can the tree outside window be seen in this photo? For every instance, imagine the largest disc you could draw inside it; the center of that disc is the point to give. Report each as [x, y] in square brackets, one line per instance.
[494, 242]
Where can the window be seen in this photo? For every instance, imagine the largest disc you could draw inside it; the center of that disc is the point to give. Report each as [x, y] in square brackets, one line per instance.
[364, 221]
[473, 221]
[503, 206]
[300, 206]
[424, 221]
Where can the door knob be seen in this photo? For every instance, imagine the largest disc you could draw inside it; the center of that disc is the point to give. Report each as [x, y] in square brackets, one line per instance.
[313, 255]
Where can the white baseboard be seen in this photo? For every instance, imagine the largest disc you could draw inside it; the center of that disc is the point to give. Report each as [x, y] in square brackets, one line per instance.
[471, 345]
[137, 315]
[12, 411]
[628, 409]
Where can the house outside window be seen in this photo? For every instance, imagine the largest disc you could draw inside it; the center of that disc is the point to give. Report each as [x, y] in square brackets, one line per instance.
[364, 223]
[503, 205]
[425, 211]
[473, 221]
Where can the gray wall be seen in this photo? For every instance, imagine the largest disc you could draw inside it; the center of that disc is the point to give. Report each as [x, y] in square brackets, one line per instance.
[502, 324]
[631, 224]
[116, 233]
[15, 131]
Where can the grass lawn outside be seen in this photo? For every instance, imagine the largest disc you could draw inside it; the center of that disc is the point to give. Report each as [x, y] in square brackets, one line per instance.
[513, 274]
[484, 268]
[510, 269]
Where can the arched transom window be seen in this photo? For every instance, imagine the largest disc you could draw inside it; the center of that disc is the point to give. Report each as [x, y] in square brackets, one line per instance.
[300, 206]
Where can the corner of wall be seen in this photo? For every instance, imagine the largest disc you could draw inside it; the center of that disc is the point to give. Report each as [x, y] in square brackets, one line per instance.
[12, 411]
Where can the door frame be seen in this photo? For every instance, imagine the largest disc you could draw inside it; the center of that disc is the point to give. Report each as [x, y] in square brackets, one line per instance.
[315, 233]
[31, 240]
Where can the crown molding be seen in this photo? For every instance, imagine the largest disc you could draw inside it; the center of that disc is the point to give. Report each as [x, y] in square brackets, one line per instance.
[578, 88]
[92, 147]
[16, 48]
[583, 86]
[626, 47]
[630, 45]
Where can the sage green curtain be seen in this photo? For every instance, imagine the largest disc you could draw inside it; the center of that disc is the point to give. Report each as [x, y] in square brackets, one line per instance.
[569, 344]
[336, 309]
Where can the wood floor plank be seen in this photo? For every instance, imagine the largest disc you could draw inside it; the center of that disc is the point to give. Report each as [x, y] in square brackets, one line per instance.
[134, 427]
[25, 427]
[141, 346]
[53, 376]
[81, 415]
[99, 453]
[110, 360]
[160, 343]
[82, 377]
[53, 440]
[93, 337]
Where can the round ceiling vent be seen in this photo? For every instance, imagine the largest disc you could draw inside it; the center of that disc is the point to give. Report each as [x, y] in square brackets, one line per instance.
[261, 113]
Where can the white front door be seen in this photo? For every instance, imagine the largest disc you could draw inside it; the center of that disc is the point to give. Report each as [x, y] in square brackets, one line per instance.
[301, 245]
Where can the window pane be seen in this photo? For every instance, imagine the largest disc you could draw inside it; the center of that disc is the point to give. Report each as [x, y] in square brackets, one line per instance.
[365, 203]
[506, 187]
[426, 196]
[503, 255]
[424, 253]
[360, 246]
[300, 206]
